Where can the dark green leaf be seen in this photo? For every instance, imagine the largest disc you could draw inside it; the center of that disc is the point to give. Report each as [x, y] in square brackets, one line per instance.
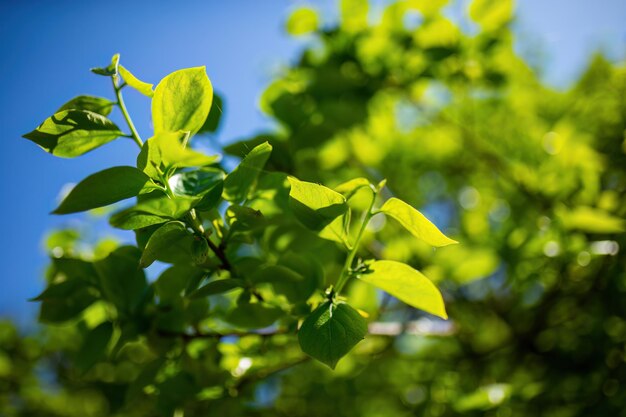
[205, 185]
[170, 238]
[174, 280]
[94, 346]
[65, 300]
[122, 280]
[331, 331]
[217, 287]
[104, 188]
[212, 121]
[253, 315]
[71, 133]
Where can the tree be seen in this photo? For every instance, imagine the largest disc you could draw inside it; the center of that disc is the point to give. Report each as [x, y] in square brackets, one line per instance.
[529, 180]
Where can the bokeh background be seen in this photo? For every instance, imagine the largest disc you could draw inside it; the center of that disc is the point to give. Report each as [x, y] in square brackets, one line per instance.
[504, 124]
[48, 47]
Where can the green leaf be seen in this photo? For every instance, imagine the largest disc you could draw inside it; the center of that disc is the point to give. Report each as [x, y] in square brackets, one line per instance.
[109, 70]
[131, 80]
[239, 182]
[165, 151]
[253, 315]
[71, 133]
[331, 331]
[150, 212]
[302, 21]
[415, 222]
[104, 188]
[98, 105]
[314, 205]
[212, 122]
[94, 346]
[174, 280]
[65, 300]
[205, 185]
[199, 250]
[406, 284]
[172, 236]
[219, 286]
[349, 188]
[182, 101]
[122, 281]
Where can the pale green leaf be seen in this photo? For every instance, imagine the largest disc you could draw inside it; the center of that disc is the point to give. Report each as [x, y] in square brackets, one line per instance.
[415, 222]
[182, 101]
[143, 87]
[314, 205]
[406, 284]
[302, 21]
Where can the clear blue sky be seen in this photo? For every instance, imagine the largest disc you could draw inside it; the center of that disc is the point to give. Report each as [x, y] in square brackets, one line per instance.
[47, 47]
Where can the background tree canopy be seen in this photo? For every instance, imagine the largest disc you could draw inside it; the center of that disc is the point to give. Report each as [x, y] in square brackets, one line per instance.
[531, 182]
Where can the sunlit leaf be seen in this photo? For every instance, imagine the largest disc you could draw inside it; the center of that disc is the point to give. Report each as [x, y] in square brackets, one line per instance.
[314, 205]
[105, 187]
[98, 105]
[406, 284]
[182, 101]
[239, 182]
[143, 87]
[71, 133]
[415, 222]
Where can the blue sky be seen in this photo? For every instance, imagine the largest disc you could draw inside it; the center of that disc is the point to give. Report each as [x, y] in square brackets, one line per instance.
[47, 48]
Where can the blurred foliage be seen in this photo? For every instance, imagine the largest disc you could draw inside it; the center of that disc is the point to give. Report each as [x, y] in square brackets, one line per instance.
[530, 180]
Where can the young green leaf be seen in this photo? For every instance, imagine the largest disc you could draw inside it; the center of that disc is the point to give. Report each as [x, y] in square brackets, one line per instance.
[239, 182]
[105, 187]
[331, 331]
[406, 284]
[219, 286]
[182, 101]
[349, 188]
[71, 133]
[94, 346]
[165, 151]
[109, 70]
[315, 205]
[415, 222]
[143, 87]
[98, 105]
[170, 237]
